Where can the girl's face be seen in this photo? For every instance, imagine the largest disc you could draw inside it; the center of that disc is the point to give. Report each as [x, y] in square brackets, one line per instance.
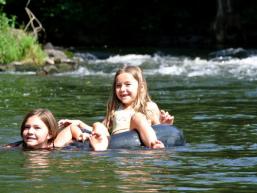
[35, 133]
[126, 88]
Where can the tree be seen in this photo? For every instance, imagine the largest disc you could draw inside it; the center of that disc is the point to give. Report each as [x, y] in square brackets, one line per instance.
[227, 25]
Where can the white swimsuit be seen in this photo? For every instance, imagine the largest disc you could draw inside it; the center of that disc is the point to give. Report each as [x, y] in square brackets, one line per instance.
[121, 120]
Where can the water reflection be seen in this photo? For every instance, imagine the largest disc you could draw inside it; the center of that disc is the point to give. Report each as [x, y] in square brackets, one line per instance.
[217, 116]
[37, 164]
[141, 170]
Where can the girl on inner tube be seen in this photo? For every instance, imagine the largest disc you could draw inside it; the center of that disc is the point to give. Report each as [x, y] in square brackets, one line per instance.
[130, 107]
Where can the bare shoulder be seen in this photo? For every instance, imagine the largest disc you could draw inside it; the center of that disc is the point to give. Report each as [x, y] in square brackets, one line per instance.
[152, 106]
[154, 112]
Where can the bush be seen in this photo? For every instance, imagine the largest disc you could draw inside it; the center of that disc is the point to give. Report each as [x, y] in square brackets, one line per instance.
[17, 45]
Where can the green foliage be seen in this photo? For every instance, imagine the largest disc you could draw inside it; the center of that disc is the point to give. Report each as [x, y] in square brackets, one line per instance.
[2, 2]
[8, 49]
[31, 50]
[5, 22]
[68, 53]
[16, 45]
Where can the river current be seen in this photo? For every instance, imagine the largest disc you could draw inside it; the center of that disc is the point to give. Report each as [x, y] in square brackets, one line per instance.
[212, 96]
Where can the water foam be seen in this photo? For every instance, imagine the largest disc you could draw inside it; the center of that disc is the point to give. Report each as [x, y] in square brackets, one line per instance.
[182, 66]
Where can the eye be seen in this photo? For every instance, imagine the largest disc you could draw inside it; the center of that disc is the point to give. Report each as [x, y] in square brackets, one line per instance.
[118, 85]
[37, 127]
[26, 126]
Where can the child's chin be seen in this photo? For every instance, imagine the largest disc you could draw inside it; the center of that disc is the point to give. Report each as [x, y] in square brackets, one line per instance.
[126, 101]
[30, 144]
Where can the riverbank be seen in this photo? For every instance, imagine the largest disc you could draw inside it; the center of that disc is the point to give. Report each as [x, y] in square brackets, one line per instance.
[97, 60]
[58, 60]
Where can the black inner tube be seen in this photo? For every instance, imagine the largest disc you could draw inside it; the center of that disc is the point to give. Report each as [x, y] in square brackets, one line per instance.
[168, 134]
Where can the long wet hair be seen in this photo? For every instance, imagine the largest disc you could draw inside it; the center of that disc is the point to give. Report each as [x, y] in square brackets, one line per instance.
[142, 98]
[47, 117]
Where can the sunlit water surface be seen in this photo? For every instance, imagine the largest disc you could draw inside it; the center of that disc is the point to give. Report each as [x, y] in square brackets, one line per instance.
[214, 102]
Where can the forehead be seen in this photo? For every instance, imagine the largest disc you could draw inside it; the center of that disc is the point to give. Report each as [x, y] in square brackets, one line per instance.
[125, 77]
[34, 120]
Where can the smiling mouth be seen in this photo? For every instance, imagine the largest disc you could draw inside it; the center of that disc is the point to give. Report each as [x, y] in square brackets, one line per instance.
[30, 138]
[123, 96]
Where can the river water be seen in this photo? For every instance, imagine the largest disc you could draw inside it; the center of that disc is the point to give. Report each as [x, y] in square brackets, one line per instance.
[214, 101]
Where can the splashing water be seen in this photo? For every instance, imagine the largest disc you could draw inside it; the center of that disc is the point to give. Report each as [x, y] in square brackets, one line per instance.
[185, 66]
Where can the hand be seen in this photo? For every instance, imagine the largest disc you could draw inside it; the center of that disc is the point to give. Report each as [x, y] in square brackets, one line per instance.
[67, 122]
[157, 145]
[64, 123]
[166, 118]
[83, 137]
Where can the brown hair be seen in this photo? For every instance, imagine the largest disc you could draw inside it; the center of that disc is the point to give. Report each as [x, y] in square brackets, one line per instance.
[47, 117]
[142, 95]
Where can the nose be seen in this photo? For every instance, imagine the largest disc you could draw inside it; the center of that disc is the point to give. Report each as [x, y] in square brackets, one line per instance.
[122, 88]
[30, 130]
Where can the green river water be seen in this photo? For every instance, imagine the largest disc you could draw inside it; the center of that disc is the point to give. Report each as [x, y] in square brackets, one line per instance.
[216, 113]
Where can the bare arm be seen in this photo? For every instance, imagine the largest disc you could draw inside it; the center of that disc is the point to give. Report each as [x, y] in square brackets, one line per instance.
[146, 132]
[14, 144]
[68, 133]
[65, 122]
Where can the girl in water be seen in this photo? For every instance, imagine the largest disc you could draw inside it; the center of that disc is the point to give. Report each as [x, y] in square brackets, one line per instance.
[130, 107]
[39, 130]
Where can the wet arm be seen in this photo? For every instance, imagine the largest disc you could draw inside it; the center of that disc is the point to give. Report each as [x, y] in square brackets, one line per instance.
[66, 122]
[146, 132]
[67, 134]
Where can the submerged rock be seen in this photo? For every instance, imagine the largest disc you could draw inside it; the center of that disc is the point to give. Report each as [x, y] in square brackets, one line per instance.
[229, 53]
[56, 62]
